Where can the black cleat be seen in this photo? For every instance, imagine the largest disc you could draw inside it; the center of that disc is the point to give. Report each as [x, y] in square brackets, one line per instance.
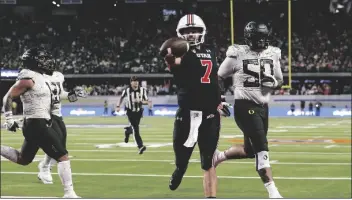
[142, 149]
[128, 132]
[176, 179]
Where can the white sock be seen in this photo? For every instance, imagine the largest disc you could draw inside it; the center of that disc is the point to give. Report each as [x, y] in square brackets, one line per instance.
[222, 156]
[9, 153]
[271, 187]
[46, 161]
[53, 162]
[64, 170]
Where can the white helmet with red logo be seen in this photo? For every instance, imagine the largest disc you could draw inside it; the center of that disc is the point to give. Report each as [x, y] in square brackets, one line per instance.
[195, 22]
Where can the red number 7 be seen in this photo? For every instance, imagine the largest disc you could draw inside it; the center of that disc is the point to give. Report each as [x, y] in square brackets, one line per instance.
[209, 65]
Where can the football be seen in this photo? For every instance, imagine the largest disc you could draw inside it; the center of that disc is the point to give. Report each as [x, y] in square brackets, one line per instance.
[177, 45]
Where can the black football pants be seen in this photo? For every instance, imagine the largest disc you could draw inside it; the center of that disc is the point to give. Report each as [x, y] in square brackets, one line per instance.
[134, 118]
[208, 137]
[253, 120]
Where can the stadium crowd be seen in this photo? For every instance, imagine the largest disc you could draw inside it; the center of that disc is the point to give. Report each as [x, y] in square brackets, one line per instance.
[85, 44]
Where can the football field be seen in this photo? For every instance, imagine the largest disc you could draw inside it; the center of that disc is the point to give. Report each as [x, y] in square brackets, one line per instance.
[311, 158]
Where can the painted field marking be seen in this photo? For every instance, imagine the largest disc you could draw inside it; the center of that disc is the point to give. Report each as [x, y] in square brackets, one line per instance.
[27, 197]
[196, 151]
[330, 146]
[160, 175]
[193, 161]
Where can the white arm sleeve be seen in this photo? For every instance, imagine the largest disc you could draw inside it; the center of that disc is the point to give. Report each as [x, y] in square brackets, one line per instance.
[226, 68]
[277, 67]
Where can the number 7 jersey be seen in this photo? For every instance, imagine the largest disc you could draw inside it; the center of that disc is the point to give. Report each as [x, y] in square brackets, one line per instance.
[197, 81]
[247, 68]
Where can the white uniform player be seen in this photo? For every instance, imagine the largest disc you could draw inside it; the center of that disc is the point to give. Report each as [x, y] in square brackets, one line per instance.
[36, 101]
[58, 93]
[36, 94]
[248, 68]
[256, 72]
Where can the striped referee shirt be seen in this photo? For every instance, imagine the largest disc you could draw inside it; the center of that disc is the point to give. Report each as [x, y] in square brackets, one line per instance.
[135, 98]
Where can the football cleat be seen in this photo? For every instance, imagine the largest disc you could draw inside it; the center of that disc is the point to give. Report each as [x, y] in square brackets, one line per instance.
[176, 179]
[128, 132]
[142, 149]
[275, 196]
[71, 195]
[44, 174]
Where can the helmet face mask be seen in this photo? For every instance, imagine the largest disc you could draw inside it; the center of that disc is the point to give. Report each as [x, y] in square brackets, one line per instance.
[191, 28]
[38, 59]
[193, 35]
[256, 35]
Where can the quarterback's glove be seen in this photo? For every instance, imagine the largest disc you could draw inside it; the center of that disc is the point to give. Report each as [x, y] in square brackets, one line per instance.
[269, 81]
[10, 123]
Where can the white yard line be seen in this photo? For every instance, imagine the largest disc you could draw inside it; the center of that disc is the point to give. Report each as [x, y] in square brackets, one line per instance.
[27, 197]
[330, 146]
[171, 151]
[221, 145]
[160, 175]
[192, 161]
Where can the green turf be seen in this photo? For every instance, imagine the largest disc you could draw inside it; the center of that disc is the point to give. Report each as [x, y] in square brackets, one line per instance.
[119, 172]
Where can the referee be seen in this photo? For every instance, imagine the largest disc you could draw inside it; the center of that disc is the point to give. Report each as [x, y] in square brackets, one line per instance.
[136, 96]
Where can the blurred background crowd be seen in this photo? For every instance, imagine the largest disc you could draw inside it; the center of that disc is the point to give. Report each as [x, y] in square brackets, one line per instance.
[125, 38]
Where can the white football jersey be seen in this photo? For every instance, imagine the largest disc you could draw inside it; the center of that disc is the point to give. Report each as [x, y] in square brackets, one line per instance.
[56, 81]
[247, 67]
[37, 100]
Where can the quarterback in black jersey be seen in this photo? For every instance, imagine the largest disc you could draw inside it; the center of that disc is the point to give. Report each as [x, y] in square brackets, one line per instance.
[197, 119]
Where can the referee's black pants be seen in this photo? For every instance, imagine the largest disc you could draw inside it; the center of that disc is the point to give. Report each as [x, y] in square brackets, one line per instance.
[135, 118]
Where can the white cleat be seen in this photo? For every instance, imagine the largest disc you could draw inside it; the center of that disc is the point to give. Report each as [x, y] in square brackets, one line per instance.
[44, 174]
[71, 195]
[275, 196]
[216, 158]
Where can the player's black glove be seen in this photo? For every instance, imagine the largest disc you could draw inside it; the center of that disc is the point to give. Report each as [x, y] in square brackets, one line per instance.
[269, 81]
[72, 97]
[77, 92]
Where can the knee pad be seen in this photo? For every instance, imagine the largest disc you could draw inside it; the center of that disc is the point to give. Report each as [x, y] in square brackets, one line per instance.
[262, 160]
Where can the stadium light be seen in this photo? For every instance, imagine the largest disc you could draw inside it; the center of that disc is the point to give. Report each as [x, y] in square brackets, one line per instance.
[115, 5]
[54, 2]
[58, 5]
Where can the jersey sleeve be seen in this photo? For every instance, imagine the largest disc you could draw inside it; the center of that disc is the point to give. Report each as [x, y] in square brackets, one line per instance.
[59, 76]
[144, 94]
[25, 74]
[277, 66]
[123, 95]
[228, 66]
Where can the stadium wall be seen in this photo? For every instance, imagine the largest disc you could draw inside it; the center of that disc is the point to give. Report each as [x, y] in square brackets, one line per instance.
[332, 106]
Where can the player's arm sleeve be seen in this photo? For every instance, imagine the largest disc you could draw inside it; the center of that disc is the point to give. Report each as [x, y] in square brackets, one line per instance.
[145, 97]
[64, 94]
[277, 70]
[123, 95]
[228, 66]
[25, 74]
